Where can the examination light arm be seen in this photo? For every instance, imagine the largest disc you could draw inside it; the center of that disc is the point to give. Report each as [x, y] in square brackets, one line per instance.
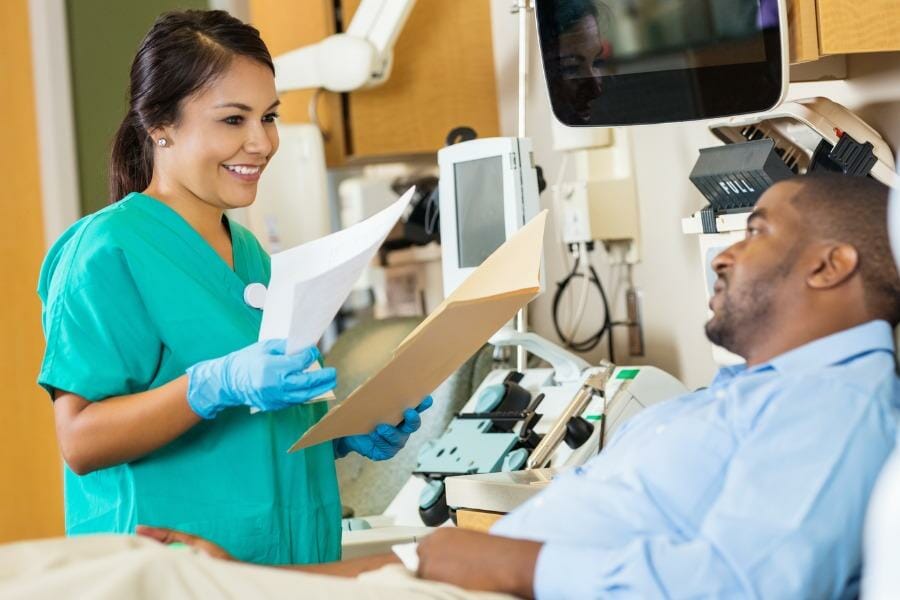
[362, 57]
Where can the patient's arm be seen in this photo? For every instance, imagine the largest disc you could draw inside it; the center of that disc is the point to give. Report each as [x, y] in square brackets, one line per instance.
[475, 561]
[346, 568]
[171, 536]
[478, 561]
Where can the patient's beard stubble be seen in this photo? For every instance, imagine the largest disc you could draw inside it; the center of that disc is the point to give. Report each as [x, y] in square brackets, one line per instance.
[742, 316]
[748, 312]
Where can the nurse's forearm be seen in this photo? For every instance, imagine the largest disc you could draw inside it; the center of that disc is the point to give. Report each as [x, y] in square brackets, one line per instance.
[95, 435]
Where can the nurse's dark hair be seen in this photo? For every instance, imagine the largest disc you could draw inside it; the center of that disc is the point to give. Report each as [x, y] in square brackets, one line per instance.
[182, 53]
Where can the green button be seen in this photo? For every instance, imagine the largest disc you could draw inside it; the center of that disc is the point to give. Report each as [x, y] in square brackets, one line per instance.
[593, 417]
[628, 373]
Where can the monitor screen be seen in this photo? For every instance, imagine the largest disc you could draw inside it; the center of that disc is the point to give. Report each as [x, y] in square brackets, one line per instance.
[621, 62]
[480, 222]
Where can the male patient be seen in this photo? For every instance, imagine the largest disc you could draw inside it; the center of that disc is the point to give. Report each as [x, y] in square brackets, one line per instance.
[756, 486]
[753, 487]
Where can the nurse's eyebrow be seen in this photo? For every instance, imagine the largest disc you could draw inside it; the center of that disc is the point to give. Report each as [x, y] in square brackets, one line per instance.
[244, 107]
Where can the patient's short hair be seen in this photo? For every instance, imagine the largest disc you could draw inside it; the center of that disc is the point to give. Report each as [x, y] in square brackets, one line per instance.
[853, 210]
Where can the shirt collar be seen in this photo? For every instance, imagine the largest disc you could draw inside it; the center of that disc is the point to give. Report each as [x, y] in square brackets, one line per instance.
[829, 350]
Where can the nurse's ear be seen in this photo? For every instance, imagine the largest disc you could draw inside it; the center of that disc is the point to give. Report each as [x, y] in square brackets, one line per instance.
[160, 137]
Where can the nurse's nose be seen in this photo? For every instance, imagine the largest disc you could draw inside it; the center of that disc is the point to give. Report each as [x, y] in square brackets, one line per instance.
[258, 140]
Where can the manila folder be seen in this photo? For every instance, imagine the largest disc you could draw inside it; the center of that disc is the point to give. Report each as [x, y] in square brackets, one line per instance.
[505, 282]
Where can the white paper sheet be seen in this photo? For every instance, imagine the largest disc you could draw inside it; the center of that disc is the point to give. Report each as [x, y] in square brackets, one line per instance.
[310, 282]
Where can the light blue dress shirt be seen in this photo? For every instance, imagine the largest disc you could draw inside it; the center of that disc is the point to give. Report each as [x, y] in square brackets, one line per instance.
[755, 487]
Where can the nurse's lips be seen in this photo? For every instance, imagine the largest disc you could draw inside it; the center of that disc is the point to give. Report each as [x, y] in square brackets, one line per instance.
[248, 173]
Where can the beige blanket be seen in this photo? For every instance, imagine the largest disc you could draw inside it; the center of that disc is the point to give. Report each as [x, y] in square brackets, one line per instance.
[109, 567]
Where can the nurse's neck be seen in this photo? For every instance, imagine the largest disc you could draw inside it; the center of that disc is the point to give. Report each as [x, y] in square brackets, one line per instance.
[205, 218]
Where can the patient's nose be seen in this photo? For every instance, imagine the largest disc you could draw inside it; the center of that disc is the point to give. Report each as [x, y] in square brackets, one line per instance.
[722, 261]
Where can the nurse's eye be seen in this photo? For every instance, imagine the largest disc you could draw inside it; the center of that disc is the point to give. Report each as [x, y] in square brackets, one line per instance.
[270, 118]
[233, 120]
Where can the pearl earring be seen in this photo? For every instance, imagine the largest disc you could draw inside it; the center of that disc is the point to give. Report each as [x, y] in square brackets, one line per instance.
[162, 142]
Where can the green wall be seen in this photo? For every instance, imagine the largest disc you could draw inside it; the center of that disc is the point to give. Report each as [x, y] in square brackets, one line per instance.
[103, 38]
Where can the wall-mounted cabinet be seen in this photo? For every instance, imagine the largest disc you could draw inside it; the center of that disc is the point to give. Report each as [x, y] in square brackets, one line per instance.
[443, 77]
[826, 27]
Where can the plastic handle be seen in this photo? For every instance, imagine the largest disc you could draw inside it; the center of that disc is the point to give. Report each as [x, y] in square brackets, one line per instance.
[566, 366]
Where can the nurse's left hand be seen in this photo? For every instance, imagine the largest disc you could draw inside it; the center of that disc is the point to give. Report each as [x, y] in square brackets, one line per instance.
[385, 441]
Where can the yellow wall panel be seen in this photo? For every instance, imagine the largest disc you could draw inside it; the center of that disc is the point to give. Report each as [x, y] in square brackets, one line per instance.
[443, 77]
[30, 468]
[286, 26]
[848, 26]
[803, 30]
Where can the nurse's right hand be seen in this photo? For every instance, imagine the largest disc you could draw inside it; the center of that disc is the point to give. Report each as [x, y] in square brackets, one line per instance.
[261, 376]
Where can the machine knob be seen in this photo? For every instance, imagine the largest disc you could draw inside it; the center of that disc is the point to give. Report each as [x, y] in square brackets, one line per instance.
[490, 398]
[433, 509]
[578, 431]
[515, 460]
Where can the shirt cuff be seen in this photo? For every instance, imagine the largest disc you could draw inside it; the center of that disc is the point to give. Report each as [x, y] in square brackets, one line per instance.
[564, 571]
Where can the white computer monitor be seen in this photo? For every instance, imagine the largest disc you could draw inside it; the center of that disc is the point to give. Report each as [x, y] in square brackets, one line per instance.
[488, 190]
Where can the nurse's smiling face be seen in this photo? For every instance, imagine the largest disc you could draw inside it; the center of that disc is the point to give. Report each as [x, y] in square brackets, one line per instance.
[224, 137]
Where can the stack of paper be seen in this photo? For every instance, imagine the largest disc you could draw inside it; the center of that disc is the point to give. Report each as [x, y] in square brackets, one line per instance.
[310, 282]
[505, 282]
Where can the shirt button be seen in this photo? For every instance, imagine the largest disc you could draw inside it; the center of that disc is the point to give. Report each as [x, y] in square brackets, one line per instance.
[660, 429]
[720, 394]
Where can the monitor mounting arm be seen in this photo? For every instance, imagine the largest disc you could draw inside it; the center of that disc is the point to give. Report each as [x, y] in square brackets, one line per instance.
[359, 58]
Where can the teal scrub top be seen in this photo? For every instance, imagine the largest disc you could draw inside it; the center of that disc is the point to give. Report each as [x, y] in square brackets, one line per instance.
[132, 296]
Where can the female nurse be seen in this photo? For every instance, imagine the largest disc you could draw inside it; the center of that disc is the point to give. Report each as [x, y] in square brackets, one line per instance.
[150, 354]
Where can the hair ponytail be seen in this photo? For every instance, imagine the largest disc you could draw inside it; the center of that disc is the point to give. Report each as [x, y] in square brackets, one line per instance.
[183, 52]
[131, 159]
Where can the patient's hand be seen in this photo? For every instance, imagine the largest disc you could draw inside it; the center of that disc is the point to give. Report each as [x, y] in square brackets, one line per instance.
[478, 561]
[170, 536]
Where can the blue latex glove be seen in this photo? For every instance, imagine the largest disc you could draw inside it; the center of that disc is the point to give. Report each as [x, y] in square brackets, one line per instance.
[260, 376]
[385, 441]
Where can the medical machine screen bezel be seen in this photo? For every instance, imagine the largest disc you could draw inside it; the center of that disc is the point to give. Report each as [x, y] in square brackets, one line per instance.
[519, 189]
[668, 95]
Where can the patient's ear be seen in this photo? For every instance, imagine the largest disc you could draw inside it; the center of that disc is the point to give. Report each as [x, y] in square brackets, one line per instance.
[836, 264]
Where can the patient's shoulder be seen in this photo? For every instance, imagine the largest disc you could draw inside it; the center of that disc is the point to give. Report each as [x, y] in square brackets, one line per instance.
[867, 392]
[873, 374]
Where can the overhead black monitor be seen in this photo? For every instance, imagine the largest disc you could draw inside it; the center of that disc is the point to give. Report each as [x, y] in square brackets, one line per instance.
[631, 62]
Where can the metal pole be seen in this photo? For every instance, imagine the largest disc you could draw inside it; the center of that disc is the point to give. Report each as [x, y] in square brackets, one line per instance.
[523, 6]
[523, 9]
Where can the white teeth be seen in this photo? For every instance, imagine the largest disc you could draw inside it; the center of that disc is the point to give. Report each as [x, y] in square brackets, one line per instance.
[243, 170]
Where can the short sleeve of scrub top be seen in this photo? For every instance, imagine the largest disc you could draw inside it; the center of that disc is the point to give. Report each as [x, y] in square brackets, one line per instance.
[100, 338]
[133, 296]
